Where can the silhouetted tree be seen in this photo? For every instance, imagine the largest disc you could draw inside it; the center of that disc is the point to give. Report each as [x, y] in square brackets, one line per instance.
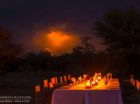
[9, 51]
[121, 31]
[77, 50]
[85, 47]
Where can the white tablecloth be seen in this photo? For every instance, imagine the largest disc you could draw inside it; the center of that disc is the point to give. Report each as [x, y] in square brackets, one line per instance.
[80, 95]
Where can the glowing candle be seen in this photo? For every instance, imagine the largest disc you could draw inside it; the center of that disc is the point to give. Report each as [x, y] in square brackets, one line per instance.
[53, 80]
[84, 76]
[88, 84]
[73, 80]
[45, 83]
[93, 83]
[80, 78]
[37, 88]
[51, 85]
[99, 78]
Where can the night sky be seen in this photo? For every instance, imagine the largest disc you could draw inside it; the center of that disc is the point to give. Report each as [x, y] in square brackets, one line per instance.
[28, 18]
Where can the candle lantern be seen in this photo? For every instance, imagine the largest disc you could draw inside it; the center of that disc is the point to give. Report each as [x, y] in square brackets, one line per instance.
[51, 85]
[93, 83]
[88, 84]
[73, 80]
[61, 79]
[96, 82]
[53, 80]
[69, 77]
[84, 76]
[37, 88]
[65, 78]
[99, 78]
[80, 79]
[45, 83]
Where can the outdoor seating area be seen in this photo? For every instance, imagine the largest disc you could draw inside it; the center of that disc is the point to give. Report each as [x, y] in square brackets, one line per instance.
[82, 90]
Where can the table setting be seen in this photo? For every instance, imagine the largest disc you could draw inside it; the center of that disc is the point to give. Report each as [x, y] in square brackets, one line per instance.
[96, 89]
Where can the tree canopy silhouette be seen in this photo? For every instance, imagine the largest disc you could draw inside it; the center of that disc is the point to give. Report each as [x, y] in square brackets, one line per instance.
[121, 32]
[84, 47]
[9, 50]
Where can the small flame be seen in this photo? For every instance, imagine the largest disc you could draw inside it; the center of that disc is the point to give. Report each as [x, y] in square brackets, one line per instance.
[93, 82]
[88, 83]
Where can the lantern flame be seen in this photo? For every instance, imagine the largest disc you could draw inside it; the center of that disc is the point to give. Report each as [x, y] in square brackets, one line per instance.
[88, 83]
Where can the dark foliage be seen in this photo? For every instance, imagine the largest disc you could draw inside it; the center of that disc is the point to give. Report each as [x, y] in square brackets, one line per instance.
[121, 32]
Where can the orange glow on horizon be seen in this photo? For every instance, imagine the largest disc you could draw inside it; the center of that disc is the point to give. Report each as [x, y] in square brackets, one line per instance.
[56, 41]
[57, 38]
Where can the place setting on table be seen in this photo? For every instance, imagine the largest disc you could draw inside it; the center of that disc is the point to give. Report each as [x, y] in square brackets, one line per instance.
[86, 89]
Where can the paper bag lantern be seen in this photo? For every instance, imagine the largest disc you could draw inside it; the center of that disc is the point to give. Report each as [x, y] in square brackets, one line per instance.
[69, 77]
[65, 78]
[37, 88]
[61, 79]
[51, 85]
[45, 83]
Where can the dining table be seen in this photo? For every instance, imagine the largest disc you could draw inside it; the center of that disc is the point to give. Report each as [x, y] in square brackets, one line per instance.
[103, 93]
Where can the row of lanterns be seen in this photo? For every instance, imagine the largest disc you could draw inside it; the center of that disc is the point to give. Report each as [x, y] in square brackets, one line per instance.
[48, 86]
[89, 81]
[53, 81]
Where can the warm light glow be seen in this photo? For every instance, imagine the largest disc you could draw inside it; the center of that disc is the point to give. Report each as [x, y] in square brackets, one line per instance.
[99, 78]
[88, 84]
[45, 83]
[57, 42]
[51, 85]
[93, 82]
[65, 78]
[37, 88]
[114, 83]
[57, 38]
[80, 78]
[96, 80]
[53, 80]
[73, 79]
[84, 76]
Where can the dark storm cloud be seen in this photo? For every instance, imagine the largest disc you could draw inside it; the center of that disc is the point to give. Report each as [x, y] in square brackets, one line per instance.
[44, 11]
[23, 17]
